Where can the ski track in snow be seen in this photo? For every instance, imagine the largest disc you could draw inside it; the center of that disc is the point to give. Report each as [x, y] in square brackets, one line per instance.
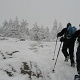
[14, 52]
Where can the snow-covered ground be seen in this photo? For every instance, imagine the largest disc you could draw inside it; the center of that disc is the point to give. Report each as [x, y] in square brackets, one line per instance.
[30, 60]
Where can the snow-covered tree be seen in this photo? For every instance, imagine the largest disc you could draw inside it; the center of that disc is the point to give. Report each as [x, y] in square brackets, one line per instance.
[10, 22]
[15, 29]
[4, 31]
[59, 28]
[41, 32]
[16, 22]
[23, 28]
[54, 30]
[34, 32]
[24, 23]
[47, 34]
[5, 23]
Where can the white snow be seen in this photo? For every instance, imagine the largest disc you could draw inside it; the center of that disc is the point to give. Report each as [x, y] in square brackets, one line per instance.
[31, 60]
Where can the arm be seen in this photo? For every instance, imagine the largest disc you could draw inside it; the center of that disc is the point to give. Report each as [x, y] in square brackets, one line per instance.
[62, 32]
[76, 34]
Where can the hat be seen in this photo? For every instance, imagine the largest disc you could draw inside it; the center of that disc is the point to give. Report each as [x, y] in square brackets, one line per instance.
[69, 24]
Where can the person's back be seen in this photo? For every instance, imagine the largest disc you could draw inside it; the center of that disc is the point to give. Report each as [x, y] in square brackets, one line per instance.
[70, 31]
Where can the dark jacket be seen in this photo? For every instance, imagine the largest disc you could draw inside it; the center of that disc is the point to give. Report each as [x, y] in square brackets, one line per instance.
[64, 32]
[76, 35]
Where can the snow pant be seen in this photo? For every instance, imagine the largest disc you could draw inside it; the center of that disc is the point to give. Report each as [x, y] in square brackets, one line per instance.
[78, 59]
[68, 46]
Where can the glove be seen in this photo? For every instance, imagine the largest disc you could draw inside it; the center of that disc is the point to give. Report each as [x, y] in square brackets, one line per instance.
[62, 39]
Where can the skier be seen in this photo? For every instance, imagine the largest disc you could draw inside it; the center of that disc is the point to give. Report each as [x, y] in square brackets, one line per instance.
[67, 44]
[76, 35]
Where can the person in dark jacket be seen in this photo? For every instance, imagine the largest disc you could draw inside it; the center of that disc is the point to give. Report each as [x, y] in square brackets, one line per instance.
[67, 45]
[76, 35]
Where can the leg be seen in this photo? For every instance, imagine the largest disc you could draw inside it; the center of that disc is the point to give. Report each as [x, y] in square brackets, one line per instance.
[64, 50]
[71, 52]
[78, 59]
[78, 66]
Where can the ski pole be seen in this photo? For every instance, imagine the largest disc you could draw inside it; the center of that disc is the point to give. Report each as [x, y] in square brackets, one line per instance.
[57, 57]
[55, 48]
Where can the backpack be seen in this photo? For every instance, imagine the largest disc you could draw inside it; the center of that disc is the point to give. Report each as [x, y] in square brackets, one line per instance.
[70, 31]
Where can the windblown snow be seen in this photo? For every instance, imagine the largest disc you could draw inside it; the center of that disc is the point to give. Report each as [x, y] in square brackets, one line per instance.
[31, 60]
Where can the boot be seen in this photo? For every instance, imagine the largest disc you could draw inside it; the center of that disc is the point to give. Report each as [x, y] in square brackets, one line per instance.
[72, 64]
[66, 59]
[77, 77]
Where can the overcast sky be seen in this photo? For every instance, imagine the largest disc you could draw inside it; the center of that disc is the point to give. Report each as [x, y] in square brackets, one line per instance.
[44, 12]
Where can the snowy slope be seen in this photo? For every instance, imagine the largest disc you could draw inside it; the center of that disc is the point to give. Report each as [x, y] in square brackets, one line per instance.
[30, 60]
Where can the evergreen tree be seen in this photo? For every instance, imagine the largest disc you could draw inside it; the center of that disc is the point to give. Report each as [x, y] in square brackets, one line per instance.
[34, 32]
[5, 23]
[47, 34]
[54, 31]
[5, 28]
[59, 28]
[41, 33]
[23, 29]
